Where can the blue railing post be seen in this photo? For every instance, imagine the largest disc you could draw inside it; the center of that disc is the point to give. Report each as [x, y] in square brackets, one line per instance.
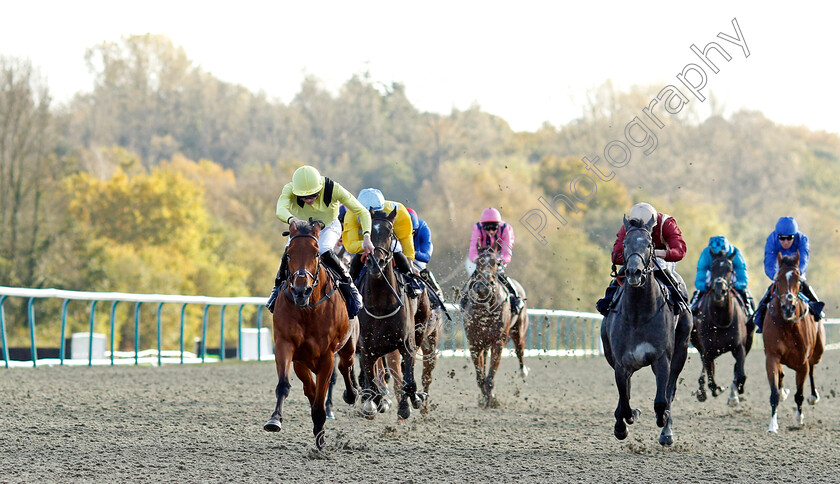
[137, 333]
[183, 308]
[63, 326]
[90, 333]
[259, 333]
[204, 334]
[3, 331]
[239, 334]
[160, 306]
[222, 335]
[113, 321]
[31, 318]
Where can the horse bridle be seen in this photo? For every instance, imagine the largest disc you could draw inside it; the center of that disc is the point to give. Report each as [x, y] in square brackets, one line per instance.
[294, 276]
[649, 267]
[788, 296]
[480, 278]
[388, 257]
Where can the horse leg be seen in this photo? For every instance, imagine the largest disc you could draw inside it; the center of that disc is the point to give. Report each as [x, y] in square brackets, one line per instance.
[681, 337]
[283, 362]
[430, 355]
[393, 367]
[326, 368]
[478, 362]
[709, 363]
[624, 415]
[697, 343]
[517, 334]
[774, 377]
[493, 367]
[329, 404]
[345, 365]
[814, 397]
[737, 387]
[409, 386]
[370, 390]
[305, 377]
[799, 396]
[783, 392]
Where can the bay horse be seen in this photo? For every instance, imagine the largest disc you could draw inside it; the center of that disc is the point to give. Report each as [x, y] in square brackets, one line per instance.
[489, 322]
[308, 334]
[791, 338]
[642, 331]
[720, 326]
[388, 322]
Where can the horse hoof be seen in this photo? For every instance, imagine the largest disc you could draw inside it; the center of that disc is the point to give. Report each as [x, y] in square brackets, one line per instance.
[799, 418]
[349, 397]
[666, 439]
[774, 425]
[524, 372]
[620, 432]
[369, 409]
[701, 396]
[661, 420]
[273, 425]
[813, 399]
[384, 405]
[634, 416]
[320, 440]
[404, 412]
[733, 401]
[330, 414]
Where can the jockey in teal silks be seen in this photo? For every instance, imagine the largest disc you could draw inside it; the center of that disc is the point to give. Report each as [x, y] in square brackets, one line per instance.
[787, 240]
[719, 245]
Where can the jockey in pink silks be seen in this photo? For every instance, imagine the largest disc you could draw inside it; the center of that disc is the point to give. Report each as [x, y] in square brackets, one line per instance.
[494, 233]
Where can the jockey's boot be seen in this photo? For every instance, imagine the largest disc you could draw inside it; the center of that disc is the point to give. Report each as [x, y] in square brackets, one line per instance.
[345, 284]
[356, 266]
[695, 300]
[813, 301]
[603, 304]
[429, 279]
[758, 314]
[516, 302]
[745, 293]
[282, 275]
[412, 288]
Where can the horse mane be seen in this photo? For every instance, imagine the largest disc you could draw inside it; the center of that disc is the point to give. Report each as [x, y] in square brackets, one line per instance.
[308, 228]
[379, 215]
[636, 223]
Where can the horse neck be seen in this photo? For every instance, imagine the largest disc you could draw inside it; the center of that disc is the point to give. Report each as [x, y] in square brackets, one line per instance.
[643, 299]
[376, 289]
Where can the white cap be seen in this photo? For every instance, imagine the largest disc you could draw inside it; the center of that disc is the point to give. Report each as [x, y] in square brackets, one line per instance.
[643, 212]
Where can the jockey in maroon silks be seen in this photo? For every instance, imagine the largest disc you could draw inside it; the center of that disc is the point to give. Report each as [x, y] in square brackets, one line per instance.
[669, 248]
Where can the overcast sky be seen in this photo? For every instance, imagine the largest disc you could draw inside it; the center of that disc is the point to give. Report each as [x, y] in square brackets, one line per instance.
[528, 62]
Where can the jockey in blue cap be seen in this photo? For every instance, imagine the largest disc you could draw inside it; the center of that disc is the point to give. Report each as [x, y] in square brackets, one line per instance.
[423, 249]
[787, 240]
[719, 245]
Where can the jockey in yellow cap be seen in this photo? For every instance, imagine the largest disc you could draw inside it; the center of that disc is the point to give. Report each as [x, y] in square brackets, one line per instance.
[311, 195]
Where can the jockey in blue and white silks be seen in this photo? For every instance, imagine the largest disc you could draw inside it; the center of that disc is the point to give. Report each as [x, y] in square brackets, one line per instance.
[720, 245]
[423, 248]
[787, 240]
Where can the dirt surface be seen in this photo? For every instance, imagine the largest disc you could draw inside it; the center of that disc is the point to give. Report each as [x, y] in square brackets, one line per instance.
[203, 423]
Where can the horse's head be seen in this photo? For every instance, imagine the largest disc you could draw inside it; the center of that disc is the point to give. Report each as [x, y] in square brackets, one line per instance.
[485, 275]
[638, 251]
[304, 263]
[383, 239]
[722, 272]
[787, 285]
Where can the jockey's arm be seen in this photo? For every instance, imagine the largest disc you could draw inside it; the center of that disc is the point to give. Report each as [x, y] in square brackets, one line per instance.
[284, 204]
[804, 253]
[403, 230]
[742, 280]
[423, 243]
[673, 238]
[770, 251]
[704, 263]
[473, 252]
[507, 244]
[350, 237]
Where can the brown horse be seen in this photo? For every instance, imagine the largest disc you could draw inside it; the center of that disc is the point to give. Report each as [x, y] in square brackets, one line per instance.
[309, 334]
[489, 323]
[791, 338]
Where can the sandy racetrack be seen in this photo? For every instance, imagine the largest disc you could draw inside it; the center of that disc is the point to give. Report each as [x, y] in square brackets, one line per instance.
[203, 423]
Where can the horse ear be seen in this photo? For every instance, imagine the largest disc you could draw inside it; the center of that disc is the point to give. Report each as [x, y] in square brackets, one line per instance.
[796, 259]
[731, 257]
[392, 215]
[626, 223]
[651, 223]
